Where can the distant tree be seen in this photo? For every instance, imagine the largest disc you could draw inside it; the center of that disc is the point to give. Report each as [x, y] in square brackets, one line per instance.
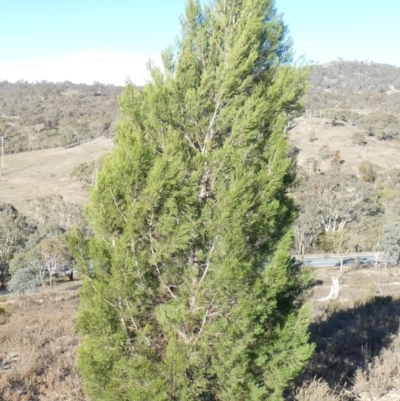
[14, 233]
[389, 202]
[38, 127]
[87, 172]
[336, 199]
[324, 152]
[367, 235]
[337, 242]
[312, 165]
[391, 178]
[306, 230]
[53, 210]
[390, 243]
[335, 162]
[47, 259]
[51, 256]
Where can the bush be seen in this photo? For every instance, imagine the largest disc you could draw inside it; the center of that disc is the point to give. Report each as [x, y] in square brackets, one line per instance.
[182, 306]
[316, 390]
[368, 171]
[24, 280]
[87, 172]
[358, 138]
[324, 152]
[4, 312]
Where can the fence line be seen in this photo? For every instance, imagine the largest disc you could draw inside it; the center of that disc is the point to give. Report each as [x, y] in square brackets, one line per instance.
[26, 145]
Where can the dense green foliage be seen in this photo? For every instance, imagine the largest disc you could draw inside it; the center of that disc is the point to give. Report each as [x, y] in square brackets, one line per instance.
[190, 292]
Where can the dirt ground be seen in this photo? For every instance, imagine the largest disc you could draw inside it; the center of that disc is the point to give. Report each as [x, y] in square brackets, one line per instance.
[29, 175]
[384, 154]
[38, 346]
[358, 284]
[356, 337]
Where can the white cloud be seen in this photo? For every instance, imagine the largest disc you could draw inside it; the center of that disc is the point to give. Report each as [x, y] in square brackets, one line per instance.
[83, 67]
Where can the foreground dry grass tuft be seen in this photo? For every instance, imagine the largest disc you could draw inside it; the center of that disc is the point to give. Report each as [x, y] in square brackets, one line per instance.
[382, 376]
[38, 349]
[379, 381]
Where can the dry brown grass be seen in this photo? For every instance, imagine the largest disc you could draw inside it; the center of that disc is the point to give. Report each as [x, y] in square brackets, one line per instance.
[379, 381]
[382, 376]
[29, 175]
[357, 355]
[315, 390]
[384, 154]
[357, 339]
[38, 347]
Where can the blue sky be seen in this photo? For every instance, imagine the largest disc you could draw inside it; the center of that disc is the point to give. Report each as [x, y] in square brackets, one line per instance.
[107, 41]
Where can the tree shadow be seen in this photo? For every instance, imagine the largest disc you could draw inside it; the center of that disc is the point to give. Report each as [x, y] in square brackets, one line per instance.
[347, 339]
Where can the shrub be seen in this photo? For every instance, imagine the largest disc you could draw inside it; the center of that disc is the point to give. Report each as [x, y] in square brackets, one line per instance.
[324, 152]
[368, 171]
[24, 280]
[4, 312]
[336, 160]
[182, 305]
[316, 390]
[382, 375]
[358, 138]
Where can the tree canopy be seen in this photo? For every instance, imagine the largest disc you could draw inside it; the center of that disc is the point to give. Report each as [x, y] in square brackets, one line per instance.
[190, 292]
[14, 233]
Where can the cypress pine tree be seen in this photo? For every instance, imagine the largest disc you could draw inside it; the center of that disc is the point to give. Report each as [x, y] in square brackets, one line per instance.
[193, 295]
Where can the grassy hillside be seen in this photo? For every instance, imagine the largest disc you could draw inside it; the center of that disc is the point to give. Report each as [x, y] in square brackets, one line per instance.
[353, 107]
[351, 85]
[46, 115]
[29, 175]
[346, 148]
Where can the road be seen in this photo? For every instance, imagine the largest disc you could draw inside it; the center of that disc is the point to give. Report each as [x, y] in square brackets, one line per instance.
[349, 259]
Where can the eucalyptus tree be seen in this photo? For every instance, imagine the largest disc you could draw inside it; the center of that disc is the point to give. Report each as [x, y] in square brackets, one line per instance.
[337, 199]
[14, 234]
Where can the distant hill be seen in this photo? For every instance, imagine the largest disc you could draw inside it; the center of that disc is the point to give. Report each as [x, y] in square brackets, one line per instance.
[353, 108]
[366, 95]
[355, 85]
[47, 115]
[47, 172]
